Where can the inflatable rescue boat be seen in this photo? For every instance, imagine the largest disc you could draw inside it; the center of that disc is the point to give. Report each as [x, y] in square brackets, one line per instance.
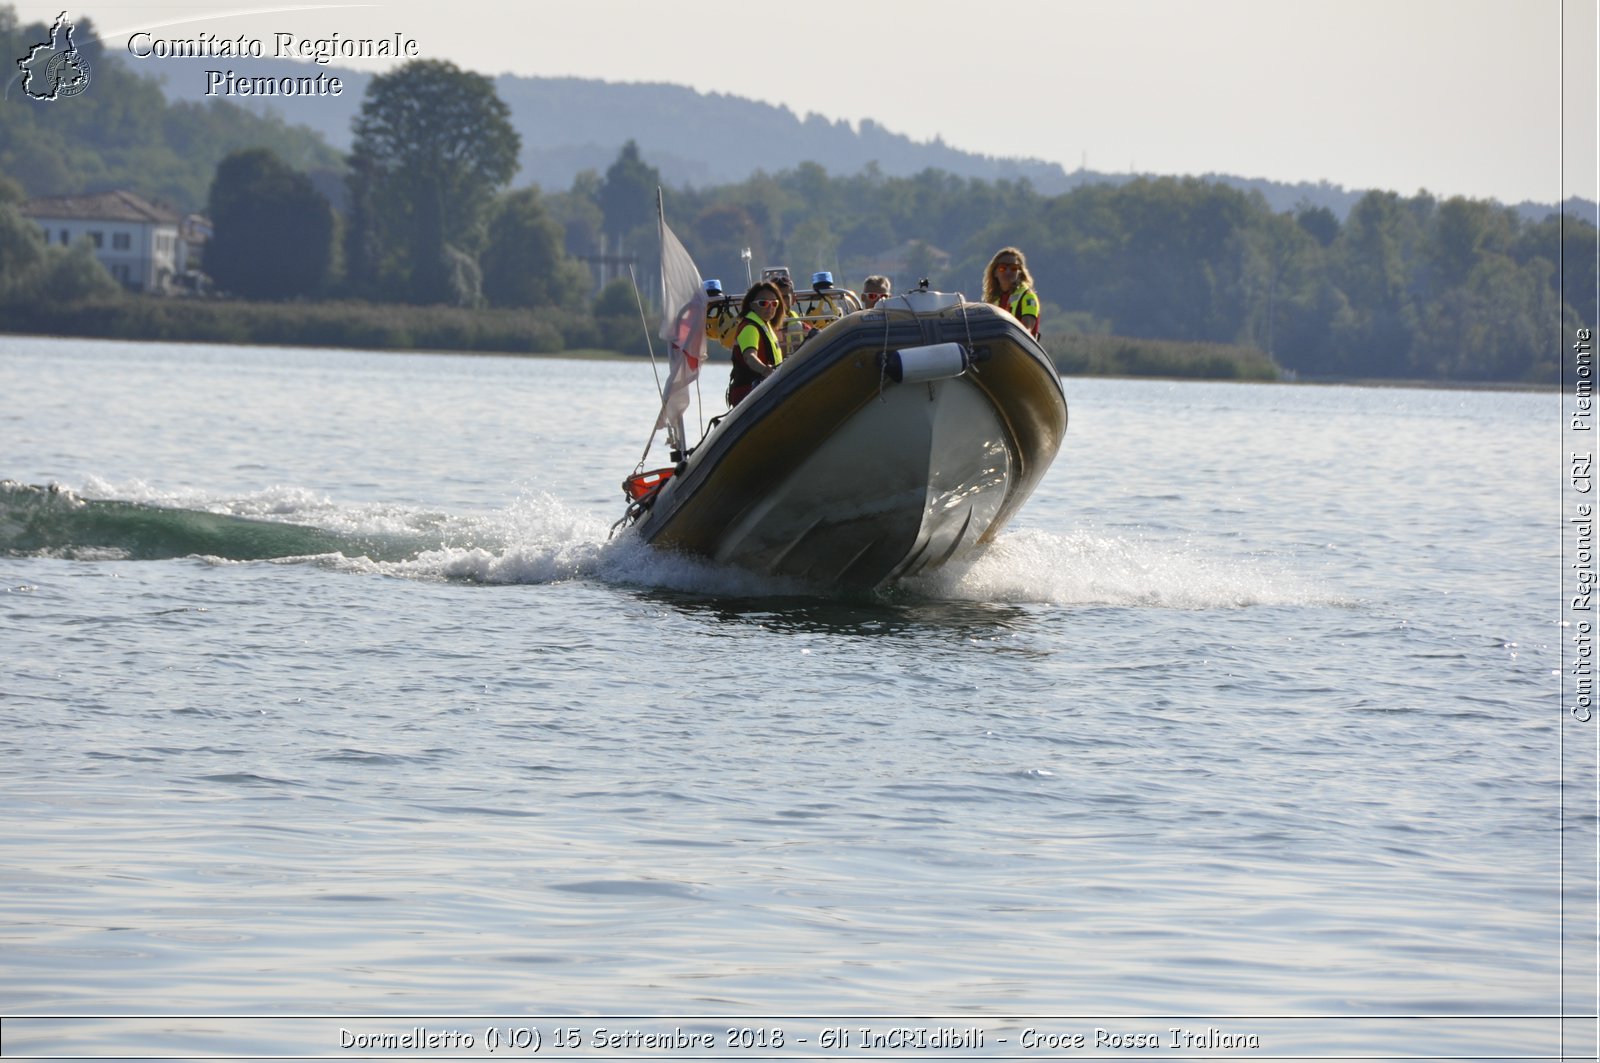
[893, 441]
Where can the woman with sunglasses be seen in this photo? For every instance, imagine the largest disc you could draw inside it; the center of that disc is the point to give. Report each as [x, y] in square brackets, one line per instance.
[874, 290]
[1008, 285]
[756, 351]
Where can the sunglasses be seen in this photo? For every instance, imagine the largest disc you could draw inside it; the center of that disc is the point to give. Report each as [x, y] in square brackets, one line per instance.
[766, 302]
[1008, 267]
[873, 297]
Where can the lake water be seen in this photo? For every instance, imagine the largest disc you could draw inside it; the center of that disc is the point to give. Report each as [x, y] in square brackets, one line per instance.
[1249, 723]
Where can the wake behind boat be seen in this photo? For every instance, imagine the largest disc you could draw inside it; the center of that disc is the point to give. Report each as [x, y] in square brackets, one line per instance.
[896, 440]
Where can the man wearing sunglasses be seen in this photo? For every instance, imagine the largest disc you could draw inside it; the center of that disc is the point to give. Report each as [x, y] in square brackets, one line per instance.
[874, 290]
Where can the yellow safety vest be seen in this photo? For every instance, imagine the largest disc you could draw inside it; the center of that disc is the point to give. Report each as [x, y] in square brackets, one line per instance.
[1022, 302]
[751, 333]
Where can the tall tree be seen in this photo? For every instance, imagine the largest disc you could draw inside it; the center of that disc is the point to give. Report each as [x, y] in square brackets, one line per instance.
[433, 145]
[274, 231]
[1372, 264]
[1279, 259]
[525, 263]
[628, 194]
[1489, 326]
[1460, 232]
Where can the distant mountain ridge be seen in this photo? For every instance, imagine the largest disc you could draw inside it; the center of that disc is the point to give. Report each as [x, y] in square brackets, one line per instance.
[569, 125]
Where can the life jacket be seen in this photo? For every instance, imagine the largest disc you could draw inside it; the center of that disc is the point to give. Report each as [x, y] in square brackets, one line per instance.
[754, 334]
[1021, 302]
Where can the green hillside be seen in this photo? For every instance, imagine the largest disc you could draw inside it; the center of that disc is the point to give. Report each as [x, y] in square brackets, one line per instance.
[124, 133]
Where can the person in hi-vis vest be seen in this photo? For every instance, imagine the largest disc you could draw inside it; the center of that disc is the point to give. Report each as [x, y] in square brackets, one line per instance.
[756, 350]
[1008, 285]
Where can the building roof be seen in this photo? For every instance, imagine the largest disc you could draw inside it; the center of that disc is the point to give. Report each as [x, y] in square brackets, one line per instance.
[104, 206]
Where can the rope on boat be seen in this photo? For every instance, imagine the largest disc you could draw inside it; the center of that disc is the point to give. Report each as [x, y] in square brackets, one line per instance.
[654, 370]
[883, 354]
[967, 322]
[648, 342]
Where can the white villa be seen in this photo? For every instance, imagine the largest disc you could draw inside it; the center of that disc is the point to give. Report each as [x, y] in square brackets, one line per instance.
[141, 243]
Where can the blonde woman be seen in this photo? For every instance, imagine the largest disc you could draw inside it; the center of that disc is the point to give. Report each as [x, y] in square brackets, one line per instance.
[1008, 285]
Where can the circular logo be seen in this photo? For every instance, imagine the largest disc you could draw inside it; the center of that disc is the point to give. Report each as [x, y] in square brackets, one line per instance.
[67, 73]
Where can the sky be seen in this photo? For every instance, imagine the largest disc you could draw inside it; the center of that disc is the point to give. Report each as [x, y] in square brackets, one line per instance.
[1482, 98]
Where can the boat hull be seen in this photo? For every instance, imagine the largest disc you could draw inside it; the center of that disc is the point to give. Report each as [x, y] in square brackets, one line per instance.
[833, 473]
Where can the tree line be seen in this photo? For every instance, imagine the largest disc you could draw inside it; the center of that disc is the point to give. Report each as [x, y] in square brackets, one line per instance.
[1413, 287]
[1404, 287]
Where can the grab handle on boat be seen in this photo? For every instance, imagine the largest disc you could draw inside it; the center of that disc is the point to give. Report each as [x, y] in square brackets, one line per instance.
[936, 361]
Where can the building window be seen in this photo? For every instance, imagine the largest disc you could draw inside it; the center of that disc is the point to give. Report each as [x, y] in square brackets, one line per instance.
[99, 240]
[121, 241]
[66, 237]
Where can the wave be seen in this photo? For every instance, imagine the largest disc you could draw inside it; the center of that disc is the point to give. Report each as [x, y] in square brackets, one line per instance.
[538, 539]
[56, 522]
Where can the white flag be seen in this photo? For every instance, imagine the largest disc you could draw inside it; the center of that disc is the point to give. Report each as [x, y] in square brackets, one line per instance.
[683, 326]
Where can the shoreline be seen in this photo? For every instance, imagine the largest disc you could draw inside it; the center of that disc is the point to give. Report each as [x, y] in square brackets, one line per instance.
[595, 354]
[586, 354]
